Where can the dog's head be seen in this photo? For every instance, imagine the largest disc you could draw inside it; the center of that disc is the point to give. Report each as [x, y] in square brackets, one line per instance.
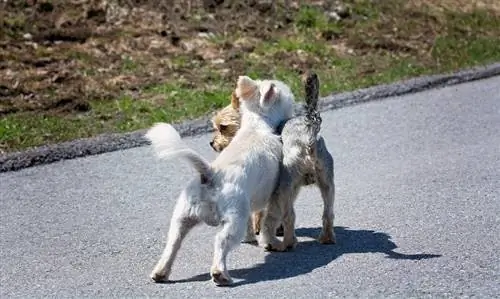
[270, 99]
[226, 123]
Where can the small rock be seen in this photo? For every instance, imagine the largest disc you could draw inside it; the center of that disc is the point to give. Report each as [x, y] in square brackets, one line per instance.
[196, 44]
[155, 44]
[333, 16]
[27, 36]
[34, 45]
[246, 44]
[264, 5]
[339, 12]
[218, 61]
[254, 56]
[342, 11]
[205, 34]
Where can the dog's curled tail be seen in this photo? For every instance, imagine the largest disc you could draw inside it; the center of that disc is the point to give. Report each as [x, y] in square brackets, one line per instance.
[168, 144]
[311, 86]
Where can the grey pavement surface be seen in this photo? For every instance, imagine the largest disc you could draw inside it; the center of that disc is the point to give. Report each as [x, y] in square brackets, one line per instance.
[418, 189]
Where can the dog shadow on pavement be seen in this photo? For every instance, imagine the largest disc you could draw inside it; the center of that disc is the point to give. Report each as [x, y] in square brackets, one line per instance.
[310, 255]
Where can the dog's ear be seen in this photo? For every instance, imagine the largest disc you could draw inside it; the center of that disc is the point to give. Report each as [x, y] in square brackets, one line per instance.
[269, 92]
[245, 88]
[235, 102]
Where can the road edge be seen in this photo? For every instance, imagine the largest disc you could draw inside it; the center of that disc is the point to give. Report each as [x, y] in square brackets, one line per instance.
[113, 142]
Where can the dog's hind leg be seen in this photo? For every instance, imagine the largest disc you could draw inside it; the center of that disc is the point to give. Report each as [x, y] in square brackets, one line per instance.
[289, 238]
[233, 231]
[271, 219]
[279, 210]
[256, 221]
[180, 224]
[250, 233]
[326, 184]
[327, 189]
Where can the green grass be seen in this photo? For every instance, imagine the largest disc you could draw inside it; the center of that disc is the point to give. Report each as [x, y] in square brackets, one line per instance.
[122, 115]
[23, 131]
[424, 42]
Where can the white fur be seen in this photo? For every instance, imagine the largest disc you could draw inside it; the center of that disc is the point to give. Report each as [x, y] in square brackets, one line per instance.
[239, 181]
[167, 143]
[272, 115]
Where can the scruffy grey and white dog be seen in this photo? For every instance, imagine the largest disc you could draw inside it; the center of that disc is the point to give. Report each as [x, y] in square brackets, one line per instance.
[306, 161]
[240, 180]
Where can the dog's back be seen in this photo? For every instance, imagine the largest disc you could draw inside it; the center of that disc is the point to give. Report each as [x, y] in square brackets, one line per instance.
[252, 161]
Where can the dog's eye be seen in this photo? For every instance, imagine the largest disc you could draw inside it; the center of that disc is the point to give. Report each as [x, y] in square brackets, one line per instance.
[222, 128]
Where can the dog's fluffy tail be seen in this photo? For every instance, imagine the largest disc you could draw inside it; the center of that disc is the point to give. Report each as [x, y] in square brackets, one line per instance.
[311, 86]
[168, 144]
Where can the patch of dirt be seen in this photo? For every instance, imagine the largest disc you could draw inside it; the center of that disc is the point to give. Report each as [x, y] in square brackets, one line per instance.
[56, 56]
[465, 6]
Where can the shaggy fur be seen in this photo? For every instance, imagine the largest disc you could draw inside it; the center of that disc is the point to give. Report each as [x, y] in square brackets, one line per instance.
[239, 181]
[306, 161]
[226, 123]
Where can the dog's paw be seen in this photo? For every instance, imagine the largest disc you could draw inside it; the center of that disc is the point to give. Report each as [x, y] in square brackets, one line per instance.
[219, 278]
[292, 243]
[327, 238]
[156, 277]
[275, 246]
[252, 242]
[249, 239]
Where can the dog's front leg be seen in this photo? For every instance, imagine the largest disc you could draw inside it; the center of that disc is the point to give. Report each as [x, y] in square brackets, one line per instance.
[180, 225]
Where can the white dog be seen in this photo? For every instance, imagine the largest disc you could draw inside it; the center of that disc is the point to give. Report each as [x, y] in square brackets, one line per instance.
[239, 181]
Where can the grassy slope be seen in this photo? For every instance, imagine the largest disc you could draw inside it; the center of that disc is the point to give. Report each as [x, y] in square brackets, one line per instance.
[380, 42]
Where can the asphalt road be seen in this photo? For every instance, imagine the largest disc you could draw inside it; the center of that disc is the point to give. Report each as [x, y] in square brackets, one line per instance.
[418, 190]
